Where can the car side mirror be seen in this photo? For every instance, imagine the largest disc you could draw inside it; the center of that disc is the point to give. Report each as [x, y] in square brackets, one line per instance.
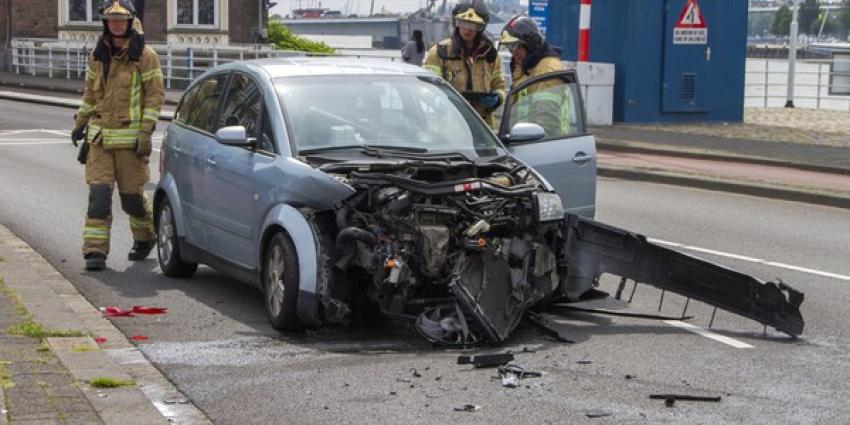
[525, 132]
[234, 136]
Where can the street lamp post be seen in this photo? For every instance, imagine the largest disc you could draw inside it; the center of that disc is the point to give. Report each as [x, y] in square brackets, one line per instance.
[792, 55]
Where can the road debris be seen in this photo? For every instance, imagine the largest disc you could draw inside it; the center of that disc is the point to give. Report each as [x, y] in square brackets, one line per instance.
[596, 414]
[670, 399]
[149, 310]
[512, 373]
[584, 361]
[139, 338]
[100, 339]
[112, 311]
[468, 408]
[486, 360]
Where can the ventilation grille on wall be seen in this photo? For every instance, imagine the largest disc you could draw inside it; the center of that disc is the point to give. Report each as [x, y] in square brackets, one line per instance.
[689, 86]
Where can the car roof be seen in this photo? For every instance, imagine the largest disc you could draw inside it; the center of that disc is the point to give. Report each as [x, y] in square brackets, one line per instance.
[310, 66]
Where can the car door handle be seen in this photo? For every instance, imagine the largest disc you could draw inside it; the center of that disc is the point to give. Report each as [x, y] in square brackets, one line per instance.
[211, 161]
[581, 157]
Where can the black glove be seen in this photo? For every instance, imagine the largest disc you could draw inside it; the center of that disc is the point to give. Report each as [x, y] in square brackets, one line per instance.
[78, 134]
[83, 155]
[491, 101]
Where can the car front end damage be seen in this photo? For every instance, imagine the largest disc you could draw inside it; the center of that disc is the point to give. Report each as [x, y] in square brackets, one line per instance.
[466, 249]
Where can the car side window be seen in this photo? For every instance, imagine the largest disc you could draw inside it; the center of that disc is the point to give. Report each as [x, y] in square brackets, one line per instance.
[266, 140]
[551, 103]
[242, 106]
[199, 106]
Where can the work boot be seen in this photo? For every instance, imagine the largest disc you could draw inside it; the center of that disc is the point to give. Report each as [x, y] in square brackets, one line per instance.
[95, 261]
[140, 250]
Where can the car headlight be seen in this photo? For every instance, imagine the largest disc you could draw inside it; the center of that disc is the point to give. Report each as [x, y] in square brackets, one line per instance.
[549, 207]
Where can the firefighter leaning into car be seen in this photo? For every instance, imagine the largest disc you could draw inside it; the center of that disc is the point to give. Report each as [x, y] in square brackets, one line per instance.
[531, 56]
[119, 112]
[469, 61]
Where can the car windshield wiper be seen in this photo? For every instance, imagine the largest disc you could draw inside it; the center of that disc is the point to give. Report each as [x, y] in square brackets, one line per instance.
[380, 148]
[328, 148]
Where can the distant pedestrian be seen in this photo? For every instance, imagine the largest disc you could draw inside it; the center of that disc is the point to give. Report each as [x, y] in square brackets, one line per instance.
[414, 51]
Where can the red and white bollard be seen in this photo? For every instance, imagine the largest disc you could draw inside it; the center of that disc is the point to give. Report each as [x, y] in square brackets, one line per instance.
[584, 31]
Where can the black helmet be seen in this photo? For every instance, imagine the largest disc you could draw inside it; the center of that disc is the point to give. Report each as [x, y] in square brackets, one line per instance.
[522, 30]
[471, 12]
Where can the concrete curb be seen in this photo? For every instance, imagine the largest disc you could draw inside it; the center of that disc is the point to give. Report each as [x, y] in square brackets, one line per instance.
[55, 303]
[646, 148]
[743, 187]
[58, 101]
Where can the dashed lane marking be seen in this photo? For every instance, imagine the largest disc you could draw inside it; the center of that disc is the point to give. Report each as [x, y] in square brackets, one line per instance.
[708, 334]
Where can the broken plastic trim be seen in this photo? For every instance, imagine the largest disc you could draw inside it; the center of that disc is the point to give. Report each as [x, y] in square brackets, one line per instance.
[593, 248]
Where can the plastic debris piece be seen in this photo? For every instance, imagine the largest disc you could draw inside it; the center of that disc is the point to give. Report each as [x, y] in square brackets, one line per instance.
[585, 362]
[468, 408]
[139, 338]
[99, 339]
[597, 414]
[510, 380]
[112, 311]
[149, 310]
[415, 373]
[519, 371]
[670, 399]
[486, 360]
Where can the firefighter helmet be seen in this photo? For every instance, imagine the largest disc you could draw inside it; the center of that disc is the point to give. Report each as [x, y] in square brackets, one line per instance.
[521, 30]
[117, 10]
[471, 13]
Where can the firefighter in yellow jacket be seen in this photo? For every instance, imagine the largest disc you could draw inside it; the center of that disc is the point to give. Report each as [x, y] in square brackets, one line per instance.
[118, 114]
[469, 61]
[531, 56]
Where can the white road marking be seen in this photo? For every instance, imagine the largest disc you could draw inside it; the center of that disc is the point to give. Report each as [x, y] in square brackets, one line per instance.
[751, 259]
[708, 334]
[58, 132]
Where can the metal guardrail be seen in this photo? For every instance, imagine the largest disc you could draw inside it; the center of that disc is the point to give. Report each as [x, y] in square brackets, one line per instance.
[819, 84]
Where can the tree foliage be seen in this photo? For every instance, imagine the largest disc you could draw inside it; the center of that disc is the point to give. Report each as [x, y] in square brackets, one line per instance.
[284, 39]
[844, 18]
[808, 14]
[781, 21]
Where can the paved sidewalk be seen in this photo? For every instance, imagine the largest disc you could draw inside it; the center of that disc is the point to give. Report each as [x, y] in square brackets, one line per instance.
[38, 389]
[52, 371]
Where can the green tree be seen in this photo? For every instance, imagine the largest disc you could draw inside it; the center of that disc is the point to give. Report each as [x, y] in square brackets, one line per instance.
[844, 18]
[781, 21]
[284, 39]
[809, 13]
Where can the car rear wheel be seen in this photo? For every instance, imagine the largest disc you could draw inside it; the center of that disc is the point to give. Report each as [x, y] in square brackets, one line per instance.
[280, 283]
[167, 249]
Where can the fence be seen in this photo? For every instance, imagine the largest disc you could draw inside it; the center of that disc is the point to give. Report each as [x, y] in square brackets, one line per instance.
[818, 84]
[180, 64]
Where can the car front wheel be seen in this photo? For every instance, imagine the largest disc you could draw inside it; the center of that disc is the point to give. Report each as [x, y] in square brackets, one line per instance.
[280, 283]
[167, 249]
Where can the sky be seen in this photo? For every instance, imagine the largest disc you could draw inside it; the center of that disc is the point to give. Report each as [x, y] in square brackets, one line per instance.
[360, 7]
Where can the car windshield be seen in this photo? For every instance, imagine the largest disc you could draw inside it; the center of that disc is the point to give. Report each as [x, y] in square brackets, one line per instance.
[402, 112]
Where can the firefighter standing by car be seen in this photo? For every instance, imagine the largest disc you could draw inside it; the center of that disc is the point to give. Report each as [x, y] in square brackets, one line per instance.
[531, 56]
[119, 112]
[469, 61]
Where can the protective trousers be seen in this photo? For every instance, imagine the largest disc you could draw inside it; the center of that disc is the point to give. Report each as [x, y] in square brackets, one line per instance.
[103, 169]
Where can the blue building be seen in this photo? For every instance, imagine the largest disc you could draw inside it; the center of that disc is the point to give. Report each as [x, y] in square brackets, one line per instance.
[675, 60]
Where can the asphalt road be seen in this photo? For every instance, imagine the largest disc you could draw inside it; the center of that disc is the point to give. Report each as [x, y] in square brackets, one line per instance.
[216, 346]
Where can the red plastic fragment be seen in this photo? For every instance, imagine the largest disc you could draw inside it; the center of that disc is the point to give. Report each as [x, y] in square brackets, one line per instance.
[149, 310]
[139, 338]
[99, 339]
[115, 312]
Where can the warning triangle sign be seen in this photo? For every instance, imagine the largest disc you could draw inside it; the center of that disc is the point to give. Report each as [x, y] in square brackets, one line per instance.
[691, 16]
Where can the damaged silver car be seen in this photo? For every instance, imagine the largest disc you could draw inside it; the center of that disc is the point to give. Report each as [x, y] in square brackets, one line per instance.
[346, 189]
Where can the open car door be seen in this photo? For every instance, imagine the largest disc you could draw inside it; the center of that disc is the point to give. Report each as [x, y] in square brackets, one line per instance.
[564, 153]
